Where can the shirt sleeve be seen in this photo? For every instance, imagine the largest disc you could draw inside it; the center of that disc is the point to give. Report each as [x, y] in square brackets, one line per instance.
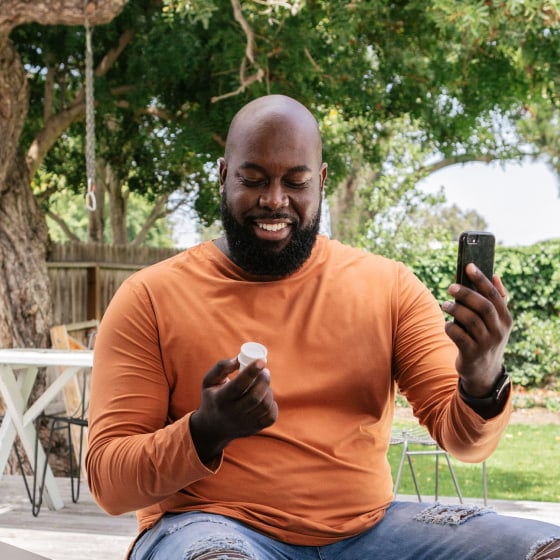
[136, 457]
[425, 372]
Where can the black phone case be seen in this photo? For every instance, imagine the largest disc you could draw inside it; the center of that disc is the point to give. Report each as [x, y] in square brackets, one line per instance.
[476, 247]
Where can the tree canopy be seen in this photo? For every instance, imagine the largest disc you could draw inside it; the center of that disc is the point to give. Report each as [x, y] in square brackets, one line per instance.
[400, 89]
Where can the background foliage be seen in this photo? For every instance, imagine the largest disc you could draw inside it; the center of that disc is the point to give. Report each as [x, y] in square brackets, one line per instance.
[400, 89]
[532, 277]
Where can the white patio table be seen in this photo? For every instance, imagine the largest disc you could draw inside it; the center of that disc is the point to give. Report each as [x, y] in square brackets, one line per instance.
[18, 372]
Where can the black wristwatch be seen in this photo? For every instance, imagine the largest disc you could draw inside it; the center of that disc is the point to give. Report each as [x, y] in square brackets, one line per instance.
[493, 404]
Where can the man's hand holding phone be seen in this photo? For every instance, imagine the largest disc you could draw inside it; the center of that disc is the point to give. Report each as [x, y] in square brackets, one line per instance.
[480, 329]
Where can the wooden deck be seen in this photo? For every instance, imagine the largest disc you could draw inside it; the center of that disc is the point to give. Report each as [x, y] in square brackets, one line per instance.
[79, 530]
[83, 531]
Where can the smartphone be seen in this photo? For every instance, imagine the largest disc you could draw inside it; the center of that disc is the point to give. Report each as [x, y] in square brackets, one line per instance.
[475, 247]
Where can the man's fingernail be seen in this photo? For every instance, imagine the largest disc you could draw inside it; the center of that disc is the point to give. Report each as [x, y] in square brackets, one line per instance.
[473, 267]
[454, 289]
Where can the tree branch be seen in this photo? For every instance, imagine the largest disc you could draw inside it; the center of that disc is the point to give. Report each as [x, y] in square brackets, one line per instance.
[454, 160]
[48, 105]
[44, 195]
[57, 124]
[240, 18]
[49, 134]
[219, 140]
[63, 225]
[57, 12]
[158, 211]
[109, 59]
[161, 114]
[311, 59]
[271, 4]
[245, 81]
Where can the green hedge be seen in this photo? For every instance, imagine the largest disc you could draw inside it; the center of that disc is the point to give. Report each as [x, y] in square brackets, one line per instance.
[532, 278]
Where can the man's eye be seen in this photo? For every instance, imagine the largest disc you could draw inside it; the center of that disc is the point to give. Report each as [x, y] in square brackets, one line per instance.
[252, 182]
[297, 184]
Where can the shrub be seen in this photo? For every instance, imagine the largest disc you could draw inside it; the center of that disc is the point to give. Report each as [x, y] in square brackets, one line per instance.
[532, 278]
[533, 351]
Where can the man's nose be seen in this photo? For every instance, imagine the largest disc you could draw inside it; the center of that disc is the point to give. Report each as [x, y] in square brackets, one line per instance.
[274, 197]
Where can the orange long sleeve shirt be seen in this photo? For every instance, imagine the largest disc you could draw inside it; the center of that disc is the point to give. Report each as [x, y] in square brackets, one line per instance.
[342, 332]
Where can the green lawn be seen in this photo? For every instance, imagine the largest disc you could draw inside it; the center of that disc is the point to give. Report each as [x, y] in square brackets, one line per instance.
[526, 466]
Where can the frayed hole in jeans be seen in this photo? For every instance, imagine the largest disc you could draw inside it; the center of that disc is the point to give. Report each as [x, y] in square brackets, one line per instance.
[548, 549]
[219, 547]
[439, 514]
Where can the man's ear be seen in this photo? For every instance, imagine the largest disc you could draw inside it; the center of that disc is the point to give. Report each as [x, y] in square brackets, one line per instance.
[223, 173]
[323, 175]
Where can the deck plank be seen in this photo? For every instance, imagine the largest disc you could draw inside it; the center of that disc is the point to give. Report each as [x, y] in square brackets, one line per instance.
[81, 530]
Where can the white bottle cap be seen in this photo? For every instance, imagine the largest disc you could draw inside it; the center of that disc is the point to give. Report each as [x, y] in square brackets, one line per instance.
[251, 351]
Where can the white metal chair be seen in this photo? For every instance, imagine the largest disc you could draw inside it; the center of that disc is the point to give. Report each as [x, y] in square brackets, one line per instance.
[419, 437]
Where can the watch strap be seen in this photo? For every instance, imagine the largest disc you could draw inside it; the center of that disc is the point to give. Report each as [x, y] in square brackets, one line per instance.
[493, 404]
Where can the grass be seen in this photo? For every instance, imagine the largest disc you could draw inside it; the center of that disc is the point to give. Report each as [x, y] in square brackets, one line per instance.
[524, 467]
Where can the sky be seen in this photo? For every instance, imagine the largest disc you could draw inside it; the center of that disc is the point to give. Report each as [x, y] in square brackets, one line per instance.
[520, 203]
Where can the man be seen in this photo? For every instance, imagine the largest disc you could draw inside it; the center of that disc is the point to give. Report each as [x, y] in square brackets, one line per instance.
[287, 459]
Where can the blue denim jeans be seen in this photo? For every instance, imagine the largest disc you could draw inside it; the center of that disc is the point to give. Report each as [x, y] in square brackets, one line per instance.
[409, 530]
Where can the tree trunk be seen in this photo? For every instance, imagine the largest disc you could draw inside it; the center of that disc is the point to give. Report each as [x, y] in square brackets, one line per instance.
[25, 314]
[25, 307]
[118, 198]
[24, 289]
[24, 284]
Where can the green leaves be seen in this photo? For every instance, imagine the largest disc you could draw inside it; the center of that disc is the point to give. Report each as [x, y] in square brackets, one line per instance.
[532, 277]
[407, 83]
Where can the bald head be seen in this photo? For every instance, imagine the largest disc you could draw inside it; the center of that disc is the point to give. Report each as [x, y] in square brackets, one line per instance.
[274, 112]
[271, 181]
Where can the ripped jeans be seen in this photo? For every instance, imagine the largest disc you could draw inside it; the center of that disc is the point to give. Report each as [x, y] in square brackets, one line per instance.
[409, 530]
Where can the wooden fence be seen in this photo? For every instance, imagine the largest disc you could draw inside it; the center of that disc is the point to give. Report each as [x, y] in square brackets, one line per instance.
[85, 276]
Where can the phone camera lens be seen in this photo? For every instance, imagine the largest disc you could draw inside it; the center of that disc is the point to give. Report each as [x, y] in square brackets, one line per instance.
[472, 239]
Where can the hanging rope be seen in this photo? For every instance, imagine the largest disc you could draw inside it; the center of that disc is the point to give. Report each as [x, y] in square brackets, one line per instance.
[91, 201]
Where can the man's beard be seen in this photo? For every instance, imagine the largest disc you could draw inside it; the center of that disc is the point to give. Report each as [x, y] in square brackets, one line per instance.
[260, 257]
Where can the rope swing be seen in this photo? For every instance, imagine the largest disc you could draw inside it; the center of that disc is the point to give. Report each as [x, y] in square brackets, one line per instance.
[91, 201]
